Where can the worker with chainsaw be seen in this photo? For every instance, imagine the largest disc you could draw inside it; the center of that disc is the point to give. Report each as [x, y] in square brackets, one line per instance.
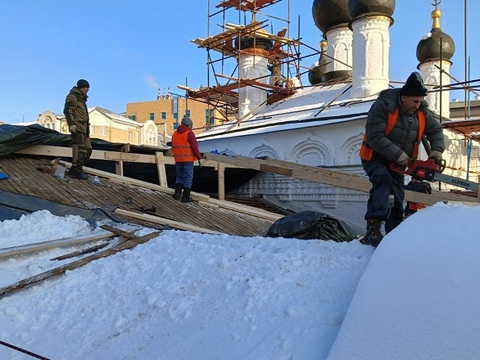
[396, 123]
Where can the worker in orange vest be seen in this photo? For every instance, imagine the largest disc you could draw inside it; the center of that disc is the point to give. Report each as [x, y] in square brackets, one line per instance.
[185, 152]
[396, 124]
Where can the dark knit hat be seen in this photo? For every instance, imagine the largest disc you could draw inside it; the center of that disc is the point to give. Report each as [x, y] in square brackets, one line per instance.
[414, 86]
[187, 121]
[82, 83]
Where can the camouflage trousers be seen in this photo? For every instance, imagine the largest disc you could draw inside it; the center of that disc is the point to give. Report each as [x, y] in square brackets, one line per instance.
[81, 149]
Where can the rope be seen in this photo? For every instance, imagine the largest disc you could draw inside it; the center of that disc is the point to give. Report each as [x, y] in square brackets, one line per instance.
[23, 350]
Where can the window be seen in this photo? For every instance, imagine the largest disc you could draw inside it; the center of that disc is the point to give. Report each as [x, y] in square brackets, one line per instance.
[175, 126]
[92, 130]
[187, 112]
[130, 135]
[175, 107]
[132, 117]
[152, 116]
[209, 118]
[164, 115]
[103, 130]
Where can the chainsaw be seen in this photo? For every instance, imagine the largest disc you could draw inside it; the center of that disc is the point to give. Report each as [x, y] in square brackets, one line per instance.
[428, 170]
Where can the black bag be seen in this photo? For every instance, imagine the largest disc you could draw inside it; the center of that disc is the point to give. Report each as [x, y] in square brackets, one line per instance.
[311, 225]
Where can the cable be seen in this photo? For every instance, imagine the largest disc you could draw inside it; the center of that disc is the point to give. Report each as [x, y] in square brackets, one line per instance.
[23, 350]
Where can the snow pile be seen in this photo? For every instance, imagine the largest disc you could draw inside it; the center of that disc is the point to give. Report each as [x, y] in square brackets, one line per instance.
[191, 296]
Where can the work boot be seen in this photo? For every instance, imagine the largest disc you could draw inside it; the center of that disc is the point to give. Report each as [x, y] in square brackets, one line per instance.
[374, 233]
[77, 173]
[186, 195]
[178, 191]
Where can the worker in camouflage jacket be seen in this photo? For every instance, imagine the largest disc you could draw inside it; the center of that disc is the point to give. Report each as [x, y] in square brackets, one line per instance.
[396, 124]
[76, 113]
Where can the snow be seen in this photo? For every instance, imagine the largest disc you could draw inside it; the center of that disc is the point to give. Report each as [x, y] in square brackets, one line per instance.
[185, 295]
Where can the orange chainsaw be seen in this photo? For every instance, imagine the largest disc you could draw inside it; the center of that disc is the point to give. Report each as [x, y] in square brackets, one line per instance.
[428, 170]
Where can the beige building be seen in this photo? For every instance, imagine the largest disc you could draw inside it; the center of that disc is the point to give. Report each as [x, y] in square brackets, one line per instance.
[459, 109]
[109, 126]
[167, 113]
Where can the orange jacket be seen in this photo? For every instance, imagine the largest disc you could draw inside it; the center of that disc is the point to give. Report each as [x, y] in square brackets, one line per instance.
[184, 145]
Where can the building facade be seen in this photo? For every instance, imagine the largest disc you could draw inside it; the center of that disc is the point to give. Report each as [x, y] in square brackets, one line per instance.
[167, 112]
[461, 110]
[109, 126]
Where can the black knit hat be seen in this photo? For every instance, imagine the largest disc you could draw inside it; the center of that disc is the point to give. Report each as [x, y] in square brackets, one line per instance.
[82, 83]
[414, 86]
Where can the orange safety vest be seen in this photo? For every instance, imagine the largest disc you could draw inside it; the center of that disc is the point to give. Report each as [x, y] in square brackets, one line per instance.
[182, 151]
[366, 152]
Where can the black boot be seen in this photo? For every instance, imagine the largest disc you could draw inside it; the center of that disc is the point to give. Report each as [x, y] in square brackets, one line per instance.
[77, 173]
[178, 191]
[186, 195]
[374, 233]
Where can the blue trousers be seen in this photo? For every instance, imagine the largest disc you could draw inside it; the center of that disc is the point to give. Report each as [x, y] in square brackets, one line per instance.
[385, 182]
[184, 174]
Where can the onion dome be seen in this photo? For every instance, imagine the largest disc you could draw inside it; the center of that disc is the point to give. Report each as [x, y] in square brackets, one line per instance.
[437, 44]
[357, 8]
[330, 13]
[316, 73]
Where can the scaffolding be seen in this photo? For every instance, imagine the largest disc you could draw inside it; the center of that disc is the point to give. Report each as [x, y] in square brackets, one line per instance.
[234, 39]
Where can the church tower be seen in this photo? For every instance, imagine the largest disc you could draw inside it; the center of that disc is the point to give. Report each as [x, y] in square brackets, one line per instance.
[370, 23]
[434, 53]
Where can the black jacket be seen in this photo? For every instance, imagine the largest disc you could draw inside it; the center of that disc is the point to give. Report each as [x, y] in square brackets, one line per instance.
[405, 132]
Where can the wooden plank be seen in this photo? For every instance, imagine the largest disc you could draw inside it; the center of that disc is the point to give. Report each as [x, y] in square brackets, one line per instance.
[46, 150]
[333, 178]
[221, 181]
[355, 182]
[276, 169]
[195, 196]
[162, 172]
[250, 210]
[121, 156]
[304, 172]
[123, 234]
[129, 244]
[163, 221]
[208, 204]
[85, 195]
[51, 244]
[122, 179]
[80, 252]
[61, 151]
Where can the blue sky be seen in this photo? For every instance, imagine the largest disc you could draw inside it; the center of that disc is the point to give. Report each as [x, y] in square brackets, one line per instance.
[127, 49]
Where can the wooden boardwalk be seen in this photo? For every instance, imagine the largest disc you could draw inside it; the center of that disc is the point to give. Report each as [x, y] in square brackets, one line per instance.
[117, 199]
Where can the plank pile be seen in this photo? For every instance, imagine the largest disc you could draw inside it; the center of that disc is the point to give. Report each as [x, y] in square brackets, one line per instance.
[126, 241]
